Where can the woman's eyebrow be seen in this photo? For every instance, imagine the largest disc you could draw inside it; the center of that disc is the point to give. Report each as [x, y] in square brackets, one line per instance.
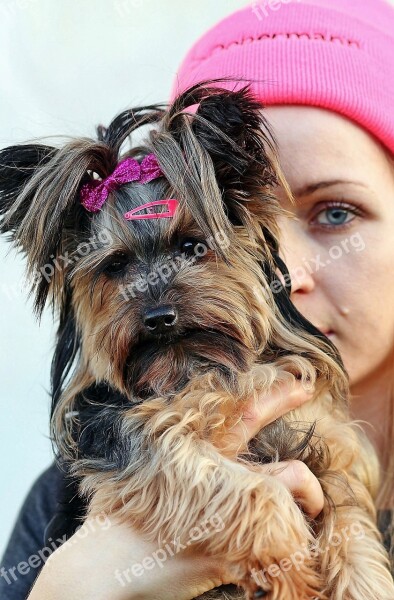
[313, 187]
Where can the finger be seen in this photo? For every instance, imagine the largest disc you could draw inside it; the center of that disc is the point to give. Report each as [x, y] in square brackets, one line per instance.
[265, 409]
[301, 482]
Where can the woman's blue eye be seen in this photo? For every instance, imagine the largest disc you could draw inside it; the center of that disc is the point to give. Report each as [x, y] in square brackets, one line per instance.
[335, 216]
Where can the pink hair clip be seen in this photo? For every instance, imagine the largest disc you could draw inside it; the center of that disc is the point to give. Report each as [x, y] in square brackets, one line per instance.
[171, 203]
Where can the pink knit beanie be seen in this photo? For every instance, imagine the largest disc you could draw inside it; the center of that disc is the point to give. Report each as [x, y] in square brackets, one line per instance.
[336, 54]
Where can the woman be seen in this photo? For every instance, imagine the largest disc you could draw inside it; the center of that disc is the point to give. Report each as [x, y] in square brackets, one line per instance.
[336, 59]
[325, 70]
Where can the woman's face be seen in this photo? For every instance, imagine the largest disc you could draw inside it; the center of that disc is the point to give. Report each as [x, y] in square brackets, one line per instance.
[340, 250]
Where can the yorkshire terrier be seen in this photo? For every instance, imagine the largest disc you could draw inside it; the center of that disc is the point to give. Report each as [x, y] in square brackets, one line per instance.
[162, 263]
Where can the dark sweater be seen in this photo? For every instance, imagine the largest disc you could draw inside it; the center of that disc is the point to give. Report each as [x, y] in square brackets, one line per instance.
[26, 551]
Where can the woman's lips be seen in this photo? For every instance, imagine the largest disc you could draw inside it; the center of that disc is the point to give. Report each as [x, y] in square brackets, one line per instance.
[327, 332]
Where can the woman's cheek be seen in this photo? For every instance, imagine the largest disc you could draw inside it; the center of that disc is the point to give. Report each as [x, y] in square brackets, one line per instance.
[359, 290]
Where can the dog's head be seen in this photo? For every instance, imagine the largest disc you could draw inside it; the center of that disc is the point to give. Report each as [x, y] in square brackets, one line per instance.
[145, 303]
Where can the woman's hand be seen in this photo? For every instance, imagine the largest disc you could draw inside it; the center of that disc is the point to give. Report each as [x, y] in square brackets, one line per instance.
[294, 474]
[117, 563]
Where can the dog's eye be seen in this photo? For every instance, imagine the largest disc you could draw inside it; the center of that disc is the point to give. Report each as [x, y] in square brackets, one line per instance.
[193, 247]
[116, 264]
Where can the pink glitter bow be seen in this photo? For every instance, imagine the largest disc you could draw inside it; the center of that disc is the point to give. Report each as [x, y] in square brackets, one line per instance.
[94, 194]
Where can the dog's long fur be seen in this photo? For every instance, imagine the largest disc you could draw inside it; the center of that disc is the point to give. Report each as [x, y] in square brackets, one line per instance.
[140, 420]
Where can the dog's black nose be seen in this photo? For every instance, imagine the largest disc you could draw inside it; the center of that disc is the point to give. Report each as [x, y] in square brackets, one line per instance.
[160, 319]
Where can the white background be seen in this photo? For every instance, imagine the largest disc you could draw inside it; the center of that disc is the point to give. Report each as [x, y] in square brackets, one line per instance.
[65, 66]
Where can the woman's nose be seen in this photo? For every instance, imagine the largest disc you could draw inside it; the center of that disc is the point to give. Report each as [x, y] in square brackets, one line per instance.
[296, 253]
[302, 281]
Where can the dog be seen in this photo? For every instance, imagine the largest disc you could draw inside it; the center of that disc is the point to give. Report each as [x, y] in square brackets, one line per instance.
[161, 262]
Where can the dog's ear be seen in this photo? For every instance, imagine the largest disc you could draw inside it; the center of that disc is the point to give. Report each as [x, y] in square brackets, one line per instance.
[17, 165]
[227, 136]
[39, 188]
[232, 128]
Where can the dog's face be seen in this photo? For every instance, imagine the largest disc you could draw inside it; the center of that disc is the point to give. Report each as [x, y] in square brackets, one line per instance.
[155, 300]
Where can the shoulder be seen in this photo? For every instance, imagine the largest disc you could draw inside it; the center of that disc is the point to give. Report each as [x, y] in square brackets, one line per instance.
[40, 503]
[26, 550]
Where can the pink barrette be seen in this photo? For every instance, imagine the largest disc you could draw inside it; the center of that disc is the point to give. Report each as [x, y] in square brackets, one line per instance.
[94, 194]
[171, 208]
